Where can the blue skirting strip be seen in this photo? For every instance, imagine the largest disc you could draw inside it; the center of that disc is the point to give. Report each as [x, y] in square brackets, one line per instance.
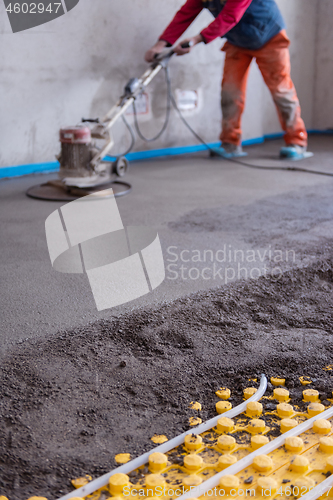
[157, 153]
[33, 168]
[49, 167]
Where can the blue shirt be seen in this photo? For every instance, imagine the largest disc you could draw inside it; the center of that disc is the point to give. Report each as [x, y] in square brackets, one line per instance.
[261, 22]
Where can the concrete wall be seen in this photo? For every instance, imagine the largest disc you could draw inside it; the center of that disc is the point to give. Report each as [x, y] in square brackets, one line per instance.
[77, 65]
[323, 100]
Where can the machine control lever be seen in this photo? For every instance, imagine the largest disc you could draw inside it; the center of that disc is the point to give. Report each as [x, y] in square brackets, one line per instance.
[90, 120]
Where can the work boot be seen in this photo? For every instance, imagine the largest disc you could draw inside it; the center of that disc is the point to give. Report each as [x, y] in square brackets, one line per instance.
[294, 152]
[228, 150]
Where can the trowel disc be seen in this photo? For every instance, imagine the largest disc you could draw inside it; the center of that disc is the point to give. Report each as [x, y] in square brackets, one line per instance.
[56, 191]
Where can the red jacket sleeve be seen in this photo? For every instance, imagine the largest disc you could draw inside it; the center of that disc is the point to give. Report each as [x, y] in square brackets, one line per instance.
[182, 20]
[231, 14]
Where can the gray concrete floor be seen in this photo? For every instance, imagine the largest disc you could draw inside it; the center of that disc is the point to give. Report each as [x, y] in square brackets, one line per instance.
[196, 204]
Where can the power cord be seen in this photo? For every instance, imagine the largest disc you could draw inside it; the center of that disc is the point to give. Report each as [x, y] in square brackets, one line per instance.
[171, 100]
[130, 147]
[167, 116]
[131, 131]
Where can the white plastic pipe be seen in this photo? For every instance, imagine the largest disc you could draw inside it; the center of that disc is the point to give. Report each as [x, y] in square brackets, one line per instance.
[98, 483]
[247, 461]
[319, 490]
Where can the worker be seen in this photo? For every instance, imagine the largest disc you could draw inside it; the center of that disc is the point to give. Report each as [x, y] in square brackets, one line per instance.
[253, 29]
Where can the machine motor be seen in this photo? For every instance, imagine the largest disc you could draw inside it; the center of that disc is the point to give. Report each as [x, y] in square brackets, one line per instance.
[77, 150]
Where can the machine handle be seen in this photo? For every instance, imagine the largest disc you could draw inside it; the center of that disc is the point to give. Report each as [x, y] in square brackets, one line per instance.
[90, 120]
[167, 55]
[187, 45]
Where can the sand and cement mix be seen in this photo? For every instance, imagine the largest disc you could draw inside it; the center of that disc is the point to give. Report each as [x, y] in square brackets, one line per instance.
[71, 402]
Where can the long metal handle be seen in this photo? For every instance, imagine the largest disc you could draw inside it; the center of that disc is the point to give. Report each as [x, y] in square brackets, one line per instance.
[144, 81]
[120, 108]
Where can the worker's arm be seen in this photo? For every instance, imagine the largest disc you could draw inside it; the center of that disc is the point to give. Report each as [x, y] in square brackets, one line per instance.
[230, 15]
[182, 20]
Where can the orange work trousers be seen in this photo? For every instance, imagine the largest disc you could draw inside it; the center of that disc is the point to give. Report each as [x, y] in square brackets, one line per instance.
[274, 63]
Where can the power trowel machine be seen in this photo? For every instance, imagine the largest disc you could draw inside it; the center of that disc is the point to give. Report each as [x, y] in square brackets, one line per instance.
[83, 165]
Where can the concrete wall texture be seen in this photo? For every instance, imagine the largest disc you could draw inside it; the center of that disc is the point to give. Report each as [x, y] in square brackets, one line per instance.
[77, 65]
[323, 101]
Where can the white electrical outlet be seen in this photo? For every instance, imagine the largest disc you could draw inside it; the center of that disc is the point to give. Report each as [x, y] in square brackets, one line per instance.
[188, 100]
[141, 105]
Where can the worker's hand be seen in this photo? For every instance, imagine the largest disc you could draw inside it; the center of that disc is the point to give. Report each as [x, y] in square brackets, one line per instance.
[156, 49]
[180, 51]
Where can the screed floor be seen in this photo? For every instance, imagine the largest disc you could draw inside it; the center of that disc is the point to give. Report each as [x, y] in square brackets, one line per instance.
[218, 222]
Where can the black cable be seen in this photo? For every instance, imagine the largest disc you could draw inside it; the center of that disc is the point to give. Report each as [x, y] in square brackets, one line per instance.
[130, 147]
[167, 116]
[174, 103]
[289, 168]
[132, 137]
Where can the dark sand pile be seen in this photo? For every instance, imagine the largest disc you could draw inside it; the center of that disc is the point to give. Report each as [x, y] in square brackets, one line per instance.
[70, 403]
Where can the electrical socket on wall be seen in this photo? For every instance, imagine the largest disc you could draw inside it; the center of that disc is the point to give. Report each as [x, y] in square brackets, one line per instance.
[188, 101]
